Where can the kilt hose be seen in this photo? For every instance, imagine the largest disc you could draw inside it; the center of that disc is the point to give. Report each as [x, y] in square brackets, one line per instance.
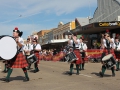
[19, 61]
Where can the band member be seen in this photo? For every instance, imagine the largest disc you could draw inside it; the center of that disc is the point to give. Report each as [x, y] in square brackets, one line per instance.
[27, 51]
[108, 45]
[117, 52]
[74, 43]
[19, 61]
[36, 48]
[83, 48]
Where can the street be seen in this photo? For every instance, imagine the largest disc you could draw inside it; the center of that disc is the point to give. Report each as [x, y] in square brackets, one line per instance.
[54, 76]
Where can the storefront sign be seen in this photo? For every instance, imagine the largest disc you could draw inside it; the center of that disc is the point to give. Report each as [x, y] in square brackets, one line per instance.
[106, 24]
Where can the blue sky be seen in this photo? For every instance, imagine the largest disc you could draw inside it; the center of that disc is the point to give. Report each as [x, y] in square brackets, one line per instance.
[36, 15]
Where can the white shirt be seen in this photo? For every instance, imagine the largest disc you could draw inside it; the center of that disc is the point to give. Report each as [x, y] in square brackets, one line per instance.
[76, 45]
[83, 46]
[27, 47]
[118, 46]
[112, 45]
[22, 42]
[38, 46]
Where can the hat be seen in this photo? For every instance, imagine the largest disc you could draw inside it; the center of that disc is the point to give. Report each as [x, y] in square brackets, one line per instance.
[18, 31]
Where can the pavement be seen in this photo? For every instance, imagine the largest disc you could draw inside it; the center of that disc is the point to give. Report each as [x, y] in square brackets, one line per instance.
[54, 76]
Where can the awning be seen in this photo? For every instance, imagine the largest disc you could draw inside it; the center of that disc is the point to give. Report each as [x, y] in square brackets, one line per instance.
[96, 27]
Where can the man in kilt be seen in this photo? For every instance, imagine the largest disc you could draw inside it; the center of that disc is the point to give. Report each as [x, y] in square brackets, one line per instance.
[108, 48]
[74, 42]
[19, 61]
[36, 48]
[117, 52]
[83, 48]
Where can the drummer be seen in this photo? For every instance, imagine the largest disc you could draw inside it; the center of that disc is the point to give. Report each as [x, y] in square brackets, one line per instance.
[74, 42]
[117, 52]
[36, 48]
[108, 46]
[83, 48]
[19, 61]
[27, 50]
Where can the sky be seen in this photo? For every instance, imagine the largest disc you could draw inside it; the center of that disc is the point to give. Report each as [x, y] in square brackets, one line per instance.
[36, 15]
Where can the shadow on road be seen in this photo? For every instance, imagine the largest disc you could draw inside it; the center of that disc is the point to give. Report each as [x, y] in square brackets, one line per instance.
[14, 78]
[97, 74]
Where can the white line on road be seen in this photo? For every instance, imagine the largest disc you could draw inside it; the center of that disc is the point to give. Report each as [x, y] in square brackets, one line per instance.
[0, 69]
[86, 75]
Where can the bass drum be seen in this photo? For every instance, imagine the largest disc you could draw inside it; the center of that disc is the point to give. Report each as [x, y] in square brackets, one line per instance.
[8, 47]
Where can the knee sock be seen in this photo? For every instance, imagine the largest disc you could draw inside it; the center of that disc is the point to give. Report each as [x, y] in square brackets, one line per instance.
[113, 71]
[103, 69]
[36, 66]
[83, 65]
[80, 65]
[9, 73]
[71, 68]
[25, 72]
[77, 67]
[117, 65]
[5, 67]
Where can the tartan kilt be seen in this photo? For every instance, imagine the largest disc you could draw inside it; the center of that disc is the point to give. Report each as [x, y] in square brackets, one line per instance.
[111, 52]
[38, 56]
[19, 62]
[77, 53]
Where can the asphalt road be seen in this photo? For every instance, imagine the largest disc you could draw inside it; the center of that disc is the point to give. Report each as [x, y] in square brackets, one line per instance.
[54, 76]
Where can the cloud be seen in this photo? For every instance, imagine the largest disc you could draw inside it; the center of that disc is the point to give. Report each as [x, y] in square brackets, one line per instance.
[13, 8]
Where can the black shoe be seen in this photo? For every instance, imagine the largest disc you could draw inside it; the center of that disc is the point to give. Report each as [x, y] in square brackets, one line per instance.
[70, 74]
[117, 69]
[77, 73]
[113, 75]
[5, 71]
[26, 79]
[6, 80]
[101, 74]
[83, 69]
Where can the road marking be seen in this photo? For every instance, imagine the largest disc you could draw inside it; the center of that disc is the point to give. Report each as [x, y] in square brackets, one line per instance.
[0, 69]
[86, 75]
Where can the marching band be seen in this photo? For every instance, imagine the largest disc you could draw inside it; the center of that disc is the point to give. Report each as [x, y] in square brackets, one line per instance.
[76, 54]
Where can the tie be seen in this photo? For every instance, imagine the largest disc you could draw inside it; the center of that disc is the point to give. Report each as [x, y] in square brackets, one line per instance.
[81, 46]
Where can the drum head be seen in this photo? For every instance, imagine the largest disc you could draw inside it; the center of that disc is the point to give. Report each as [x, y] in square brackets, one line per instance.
[8, 48]
[107, 57]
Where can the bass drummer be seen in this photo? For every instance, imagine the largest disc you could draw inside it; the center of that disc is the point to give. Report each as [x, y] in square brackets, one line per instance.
[19, 61]
[74, 42]
[117, 52]
[108, 48]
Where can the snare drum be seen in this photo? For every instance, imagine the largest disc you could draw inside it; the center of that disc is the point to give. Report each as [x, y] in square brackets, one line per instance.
[32, 59]
[109, 60]
[8, 47]
[70, 57]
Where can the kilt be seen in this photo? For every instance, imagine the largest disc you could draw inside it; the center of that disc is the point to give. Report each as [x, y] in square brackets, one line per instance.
[117, 54]
[38, 56]
[77, 53]
[19, 61]
[111, 52]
